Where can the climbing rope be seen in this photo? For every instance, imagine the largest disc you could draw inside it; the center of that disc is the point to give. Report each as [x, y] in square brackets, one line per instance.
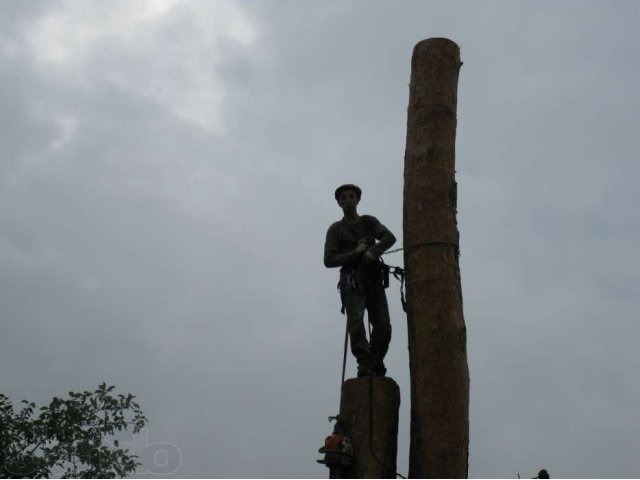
[425, 244]
[344, 363]
[399, 272]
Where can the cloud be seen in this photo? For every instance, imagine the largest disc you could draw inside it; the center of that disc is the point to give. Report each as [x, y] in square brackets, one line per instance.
[167, 51]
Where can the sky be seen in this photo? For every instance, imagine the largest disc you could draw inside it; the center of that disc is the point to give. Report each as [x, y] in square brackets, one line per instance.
[166, 182]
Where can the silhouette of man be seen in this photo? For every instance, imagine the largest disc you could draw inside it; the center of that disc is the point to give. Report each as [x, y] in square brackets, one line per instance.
[355, 244]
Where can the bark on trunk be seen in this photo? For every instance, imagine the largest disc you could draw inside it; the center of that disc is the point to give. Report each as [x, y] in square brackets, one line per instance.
[437, 333]
[355, 411]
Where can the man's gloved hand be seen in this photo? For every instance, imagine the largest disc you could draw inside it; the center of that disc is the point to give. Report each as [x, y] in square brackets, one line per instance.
[368, 257]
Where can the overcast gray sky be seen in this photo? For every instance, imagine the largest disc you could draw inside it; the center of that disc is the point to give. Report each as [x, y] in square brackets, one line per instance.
[167, 176]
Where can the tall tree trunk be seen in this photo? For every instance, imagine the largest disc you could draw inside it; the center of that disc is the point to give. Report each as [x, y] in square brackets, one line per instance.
[437, 333]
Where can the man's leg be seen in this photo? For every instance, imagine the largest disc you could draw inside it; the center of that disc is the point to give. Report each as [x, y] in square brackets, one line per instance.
[376, 303]
[354, 303]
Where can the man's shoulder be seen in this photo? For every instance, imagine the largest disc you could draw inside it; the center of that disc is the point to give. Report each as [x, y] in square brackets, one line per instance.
[369, 220]
[335, 225]
[366, 220]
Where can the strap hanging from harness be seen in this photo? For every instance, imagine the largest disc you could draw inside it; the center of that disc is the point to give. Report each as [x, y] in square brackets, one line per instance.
[398, 273]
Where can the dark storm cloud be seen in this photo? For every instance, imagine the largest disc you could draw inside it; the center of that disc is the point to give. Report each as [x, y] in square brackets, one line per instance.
[168, 171]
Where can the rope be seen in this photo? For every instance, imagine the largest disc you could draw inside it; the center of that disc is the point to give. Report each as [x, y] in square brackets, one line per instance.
[344, 363]
[399, 272]
[425, 244]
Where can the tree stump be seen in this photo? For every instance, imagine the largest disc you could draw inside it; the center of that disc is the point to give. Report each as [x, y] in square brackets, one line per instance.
[358, 416]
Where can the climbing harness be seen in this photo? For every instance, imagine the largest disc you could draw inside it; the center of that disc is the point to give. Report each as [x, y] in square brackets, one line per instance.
[350, 281]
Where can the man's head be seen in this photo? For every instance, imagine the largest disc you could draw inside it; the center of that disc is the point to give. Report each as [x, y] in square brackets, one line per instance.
[348, 187]
[348, 196]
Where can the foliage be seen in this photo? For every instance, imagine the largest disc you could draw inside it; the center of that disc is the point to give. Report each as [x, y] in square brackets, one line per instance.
[68, 437]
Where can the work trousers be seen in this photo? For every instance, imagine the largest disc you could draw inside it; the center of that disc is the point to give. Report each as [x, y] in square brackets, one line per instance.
[359, 293]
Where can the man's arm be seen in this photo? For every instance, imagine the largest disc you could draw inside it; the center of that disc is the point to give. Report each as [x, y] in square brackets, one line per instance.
[384, 236]
[334, 259]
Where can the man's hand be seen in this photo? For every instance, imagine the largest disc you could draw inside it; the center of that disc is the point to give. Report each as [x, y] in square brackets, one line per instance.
[368, 257]
[362, 246]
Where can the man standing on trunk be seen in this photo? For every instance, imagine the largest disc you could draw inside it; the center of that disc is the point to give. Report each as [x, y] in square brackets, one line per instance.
[355, 244]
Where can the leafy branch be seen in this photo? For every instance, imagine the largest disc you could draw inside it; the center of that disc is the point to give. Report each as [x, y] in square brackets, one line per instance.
[69, 434]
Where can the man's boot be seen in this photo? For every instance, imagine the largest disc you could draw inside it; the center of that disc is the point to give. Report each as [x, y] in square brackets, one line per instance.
[365, 367]
[381, 370]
